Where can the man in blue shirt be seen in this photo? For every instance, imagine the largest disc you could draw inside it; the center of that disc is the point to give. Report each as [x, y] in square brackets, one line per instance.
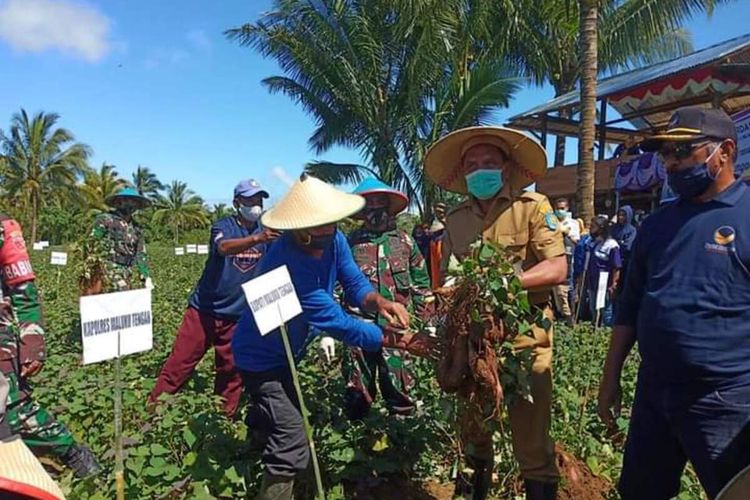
[317, 256]
[236, 246]
[686, 301]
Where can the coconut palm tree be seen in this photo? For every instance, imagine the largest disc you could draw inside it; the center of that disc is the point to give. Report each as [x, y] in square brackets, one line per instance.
[179, 208]
[585, 174]
[383, 77]
[41, 161]
[219, 211]
[146, 182]
[631, 33]
[615, 34]
[98, 185]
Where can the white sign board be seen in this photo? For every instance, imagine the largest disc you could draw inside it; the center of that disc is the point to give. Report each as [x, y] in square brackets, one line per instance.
[191, 248]
[44, 244]
[37, 246]
[58, 258]
[203, 249]
[272, 299]
[179, 251]
[601, 291]
[742, 122]
[106, 317]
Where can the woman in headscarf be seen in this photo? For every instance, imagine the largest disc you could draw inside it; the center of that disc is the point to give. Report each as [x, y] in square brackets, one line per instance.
[317, 256]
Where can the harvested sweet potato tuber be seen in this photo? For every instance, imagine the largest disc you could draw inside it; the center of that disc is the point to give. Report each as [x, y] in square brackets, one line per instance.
[481, 316]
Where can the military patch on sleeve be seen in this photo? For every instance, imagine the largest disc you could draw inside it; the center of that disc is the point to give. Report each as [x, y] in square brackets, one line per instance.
[551, 220]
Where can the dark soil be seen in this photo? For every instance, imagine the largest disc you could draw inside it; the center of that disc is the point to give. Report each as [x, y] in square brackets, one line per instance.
[578, 482]
[399, 489]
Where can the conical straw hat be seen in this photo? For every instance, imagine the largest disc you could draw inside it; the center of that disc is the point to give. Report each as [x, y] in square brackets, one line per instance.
[442, 162]
[311, 202]
[22, 474]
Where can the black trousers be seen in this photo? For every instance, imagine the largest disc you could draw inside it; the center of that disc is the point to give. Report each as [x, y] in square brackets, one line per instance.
[275, 418]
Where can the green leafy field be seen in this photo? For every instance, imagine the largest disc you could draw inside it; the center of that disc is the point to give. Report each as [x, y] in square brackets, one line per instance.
[187, 449]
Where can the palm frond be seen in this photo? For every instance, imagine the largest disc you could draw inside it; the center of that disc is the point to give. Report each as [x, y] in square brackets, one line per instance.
[339, 173]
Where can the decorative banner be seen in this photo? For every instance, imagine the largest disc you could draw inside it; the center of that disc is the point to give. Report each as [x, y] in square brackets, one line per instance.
[272, 299]
[107, 317]
[191, 248]
[37, 245]
[742, 123]
[58, 259]
[601, 291]
[202, 249]
[179, 251]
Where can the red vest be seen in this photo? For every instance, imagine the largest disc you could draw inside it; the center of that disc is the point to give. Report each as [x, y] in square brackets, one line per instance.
[14, 259]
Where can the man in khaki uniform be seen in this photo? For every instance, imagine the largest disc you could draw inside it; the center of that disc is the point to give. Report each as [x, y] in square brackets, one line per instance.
[493, 165]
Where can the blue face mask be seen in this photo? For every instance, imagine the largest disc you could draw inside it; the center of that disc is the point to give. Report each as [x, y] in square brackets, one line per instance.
[692, 182]
[484, 183]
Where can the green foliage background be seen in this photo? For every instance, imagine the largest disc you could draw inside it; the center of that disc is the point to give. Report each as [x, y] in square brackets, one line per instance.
[187, 449]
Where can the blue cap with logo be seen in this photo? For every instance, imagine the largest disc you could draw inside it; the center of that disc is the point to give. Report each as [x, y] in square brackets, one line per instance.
[693, 123]
[248, 188]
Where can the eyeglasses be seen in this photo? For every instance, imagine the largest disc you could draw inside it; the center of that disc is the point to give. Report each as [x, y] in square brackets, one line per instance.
[680, 150]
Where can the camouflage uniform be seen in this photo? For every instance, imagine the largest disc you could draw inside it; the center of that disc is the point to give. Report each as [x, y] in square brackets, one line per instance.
[395, 267]
[21, 342]
[121, 244]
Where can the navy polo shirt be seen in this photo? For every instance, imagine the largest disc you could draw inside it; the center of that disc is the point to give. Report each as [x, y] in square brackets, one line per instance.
[687, 292]
[219, 291]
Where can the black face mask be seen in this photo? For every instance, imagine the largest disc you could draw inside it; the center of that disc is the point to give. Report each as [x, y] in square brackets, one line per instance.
[321, 242]
[126, 211]
[376, 217]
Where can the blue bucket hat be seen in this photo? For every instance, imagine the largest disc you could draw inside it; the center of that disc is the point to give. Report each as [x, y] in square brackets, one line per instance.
[128, 193]
[371, 186]
[248, 188]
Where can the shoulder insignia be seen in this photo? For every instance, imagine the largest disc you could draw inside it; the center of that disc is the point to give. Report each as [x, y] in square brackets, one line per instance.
[550, 219]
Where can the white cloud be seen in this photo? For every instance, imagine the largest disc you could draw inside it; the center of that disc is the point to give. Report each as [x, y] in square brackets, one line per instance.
[199, 39]
[282, 175]
[69, 26]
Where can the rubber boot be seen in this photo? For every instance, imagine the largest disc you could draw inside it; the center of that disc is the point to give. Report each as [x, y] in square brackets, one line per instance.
[81, 460]
[481, 480]
[478, 486]
[538, 490]
[276, 487]
[462, 487]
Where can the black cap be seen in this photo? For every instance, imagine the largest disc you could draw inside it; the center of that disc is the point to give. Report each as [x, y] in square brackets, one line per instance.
[693, 123]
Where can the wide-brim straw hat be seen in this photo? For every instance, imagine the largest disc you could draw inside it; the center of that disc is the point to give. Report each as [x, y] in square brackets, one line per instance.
[397, 201]
[443, 160]
[22, 475]
[128, 193]
[311, 202]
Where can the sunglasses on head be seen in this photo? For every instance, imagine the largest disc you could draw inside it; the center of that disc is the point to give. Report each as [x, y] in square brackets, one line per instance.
[682, 150]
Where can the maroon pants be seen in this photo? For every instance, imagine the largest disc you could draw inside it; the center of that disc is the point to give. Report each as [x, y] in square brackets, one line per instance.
[197, 333]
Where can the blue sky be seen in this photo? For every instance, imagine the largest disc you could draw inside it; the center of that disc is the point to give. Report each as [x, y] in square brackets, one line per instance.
[156, 83]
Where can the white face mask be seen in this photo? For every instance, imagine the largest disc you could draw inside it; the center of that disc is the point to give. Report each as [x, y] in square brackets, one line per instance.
[250, 214]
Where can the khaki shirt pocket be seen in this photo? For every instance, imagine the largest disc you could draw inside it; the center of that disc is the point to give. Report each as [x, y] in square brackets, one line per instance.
[515, 242]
